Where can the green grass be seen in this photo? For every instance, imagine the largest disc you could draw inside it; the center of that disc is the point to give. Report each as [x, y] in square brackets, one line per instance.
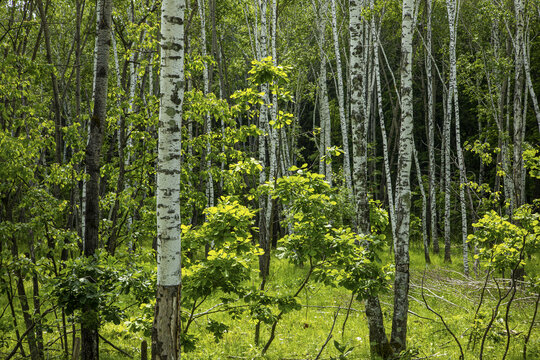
[301, 334]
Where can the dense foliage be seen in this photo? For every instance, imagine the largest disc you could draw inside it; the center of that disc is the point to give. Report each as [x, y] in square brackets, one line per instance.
[269, 225]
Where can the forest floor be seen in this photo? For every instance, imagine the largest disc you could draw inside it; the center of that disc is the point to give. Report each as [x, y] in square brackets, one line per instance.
[329, 311]
[329, 320]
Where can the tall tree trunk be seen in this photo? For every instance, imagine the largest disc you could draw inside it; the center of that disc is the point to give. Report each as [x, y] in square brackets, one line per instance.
[398, 339]
[431, 134]
[265, 203]
[527, 66]
[378, 340]
[325, 167]
[519, 121]
[98, 122]
[447, 179]
[208, 119]
[386, 158]
[341, 103]
[166, 327]
[453, 94]
[424, 207]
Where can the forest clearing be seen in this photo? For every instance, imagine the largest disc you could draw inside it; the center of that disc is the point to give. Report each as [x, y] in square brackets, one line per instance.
[269, 179]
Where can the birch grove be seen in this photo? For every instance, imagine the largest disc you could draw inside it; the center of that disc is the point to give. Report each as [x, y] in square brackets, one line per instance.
[240, 183]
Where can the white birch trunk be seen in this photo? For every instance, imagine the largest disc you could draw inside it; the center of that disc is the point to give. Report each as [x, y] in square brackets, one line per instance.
[446, 134]
[519, 121]
[341, 102]
[208, 120]
[431, 134]
[166, 328]
[325, 166]
[424, 207]
[324, 111]
[453, 94]
[398, 339]
[526, 64]
[379, 345]
[386, 158]
[265, 203]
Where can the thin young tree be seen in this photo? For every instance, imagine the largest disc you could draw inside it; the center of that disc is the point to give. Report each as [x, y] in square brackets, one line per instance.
[341, 102]
[519, 120]
[431, 132]
[166, 326]
[452, 7]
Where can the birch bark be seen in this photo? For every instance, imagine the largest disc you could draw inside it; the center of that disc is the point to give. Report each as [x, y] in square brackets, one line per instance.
[325, 167]
[341, 102]
[403, 191]
[519, 121]
[446, 134]
[424, 207]
[166, 326]
[386, 158]
[265, 203]
[452, 8]
[208, 120]
[378, 340]
[431, 134]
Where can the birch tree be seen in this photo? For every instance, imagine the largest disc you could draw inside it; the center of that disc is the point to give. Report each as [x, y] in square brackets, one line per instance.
[166, 326]
[403, 191]
[325, 167]
[431, 133]
[265, 202]
[453, 108]
[519, 120]
[378, 340]
[384, 137]
[341, 102]
[208, 120]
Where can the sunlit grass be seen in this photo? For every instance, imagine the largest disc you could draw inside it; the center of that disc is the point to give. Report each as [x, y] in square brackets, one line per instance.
[301, 334]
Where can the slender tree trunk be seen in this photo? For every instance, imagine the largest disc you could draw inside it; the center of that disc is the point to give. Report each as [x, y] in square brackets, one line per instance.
[35, 353]
[378, 340]
[341, 102]
[424, 207]
[208, 119]
[98, 122]
[166, 328]
[447, 178]
[265, 203]
[325, 167]
[519, 121]
[431, 134]
[54, 82]
[453, 94]
[386, 158]
[527, 66]
[398, 339]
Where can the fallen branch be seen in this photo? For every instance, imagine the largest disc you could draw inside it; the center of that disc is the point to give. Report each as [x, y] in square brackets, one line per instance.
[329, 334]
[115, 347]
[411, 312]
[462, 356]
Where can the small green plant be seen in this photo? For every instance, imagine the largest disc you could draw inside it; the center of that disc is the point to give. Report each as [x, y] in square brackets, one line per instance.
[223, 271]
[344, 351]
